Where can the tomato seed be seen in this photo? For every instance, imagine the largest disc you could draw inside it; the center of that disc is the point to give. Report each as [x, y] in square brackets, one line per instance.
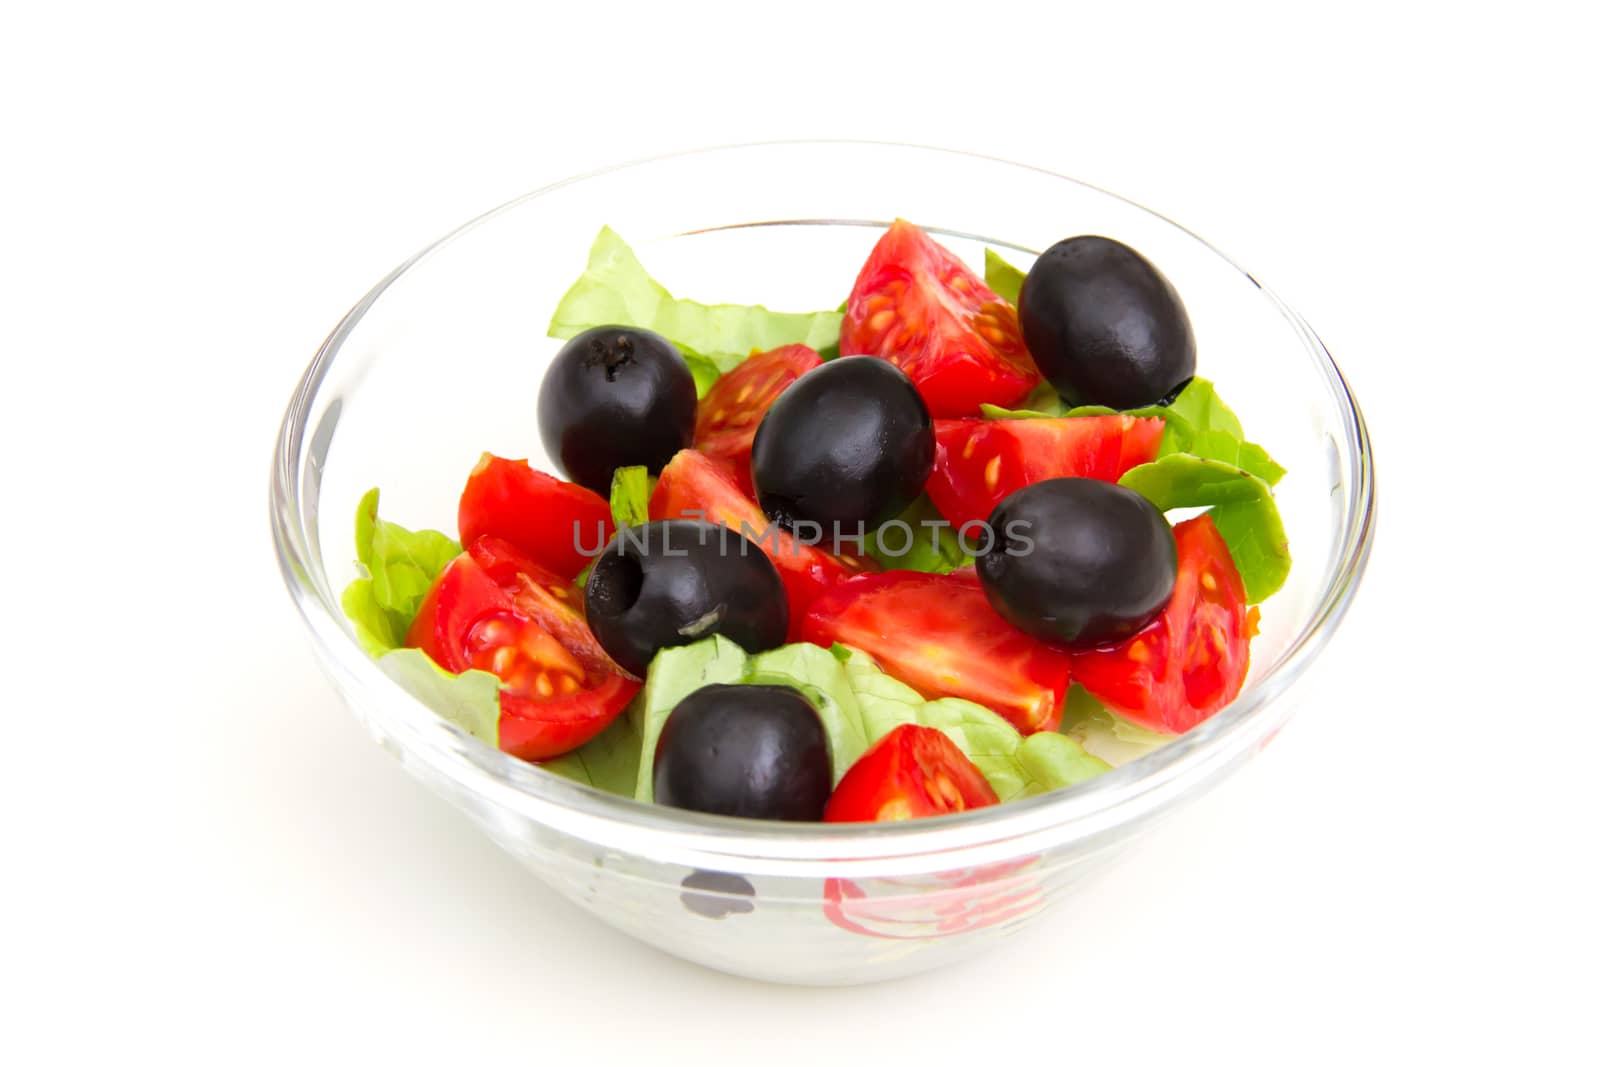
[994, 335]
[503, 660]
[896, 810]
[945, 791]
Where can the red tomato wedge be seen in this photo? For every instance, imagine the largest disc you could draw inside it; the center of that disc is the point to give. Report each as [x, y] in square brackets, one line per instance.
[918, 306]
[979, 462]
[546, 518]
[495, 610]
[725, 426]
[938, 634]
[912, 772]
[696, 486]
[1191, 661]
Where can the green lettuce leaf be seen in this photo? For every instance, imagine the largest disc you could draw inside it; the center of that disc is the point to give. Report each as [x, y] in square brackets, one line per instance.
[821, 678]
[991, 743]
[707, 369]
[673, 675]
[1013, 765]
[1103, 733]
[885, 702]
[615, 289]
[1241, 506]
[1204, 411]
[1002, 277]
[987, 739]
[1200, 424]
[399, 566]
[375, 628]
[1043, 403]
[704, 371]
[1254, 458]
[471, 699]
[609, 761]
[1050, 761]
[630, 496]
[995, 411]
[831, 351]
[933, 549]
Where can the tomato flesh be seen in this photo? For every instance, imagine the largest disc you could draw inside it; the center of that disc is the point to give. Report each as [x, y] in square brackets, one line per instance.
[494, 609]
[918, 306]
[979, 462]
[1191, 661]
[725, 426]
[696, 486]
[550, 520]
[938, 634]
[549, 600]
[912, 772]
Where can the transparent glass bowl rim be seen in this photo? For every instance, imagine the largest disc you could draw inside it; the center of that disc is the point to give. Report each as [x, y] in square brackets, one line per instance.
[1031, 825]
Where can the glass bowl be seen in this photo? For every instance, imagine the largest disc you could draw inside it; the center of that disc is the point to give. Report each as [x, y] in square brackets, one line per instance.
[442, 361]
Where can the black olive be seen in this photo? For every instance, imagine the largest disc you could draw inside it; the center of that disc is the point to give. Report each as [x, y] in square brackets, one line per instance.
[753, 750]
[615, 397]
[1104, 325]
[675, 582]
[1078, 561]
[849, 444]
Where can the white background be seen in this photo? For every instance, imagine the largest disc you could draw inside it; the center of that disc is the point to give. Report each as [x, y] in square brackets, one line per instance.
[206, 858]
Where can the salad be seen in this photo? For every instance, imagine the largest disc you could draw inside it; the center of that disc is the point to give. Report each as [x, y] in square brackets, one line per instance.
[905, 558]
